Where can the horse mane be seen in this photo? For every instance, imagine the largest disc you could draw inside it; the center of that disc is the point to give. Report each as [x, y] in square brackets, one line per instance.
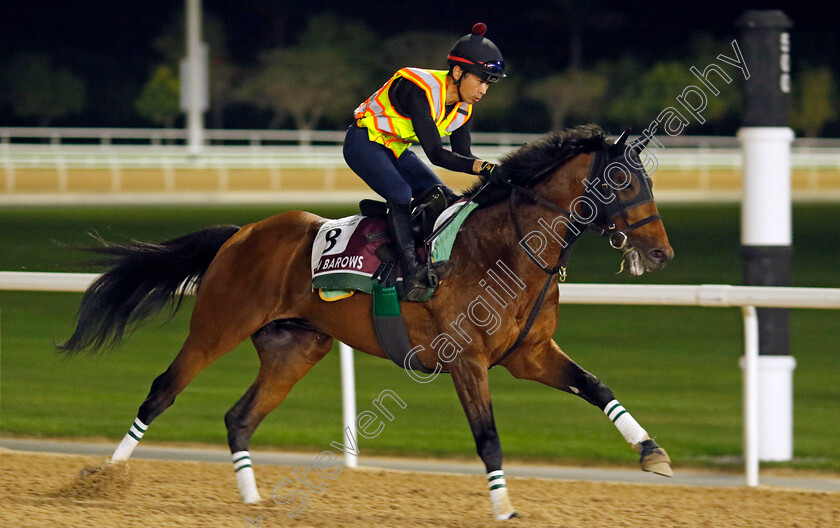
[524, 166]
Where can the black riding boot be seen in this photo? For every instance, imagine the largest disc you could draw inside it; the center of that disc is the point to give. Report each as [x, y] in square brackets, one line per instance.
[417, 278]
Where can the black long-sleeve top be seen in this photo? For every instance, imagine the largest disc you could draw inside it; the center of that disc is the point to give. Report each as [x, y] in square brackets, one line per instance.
[410, 100]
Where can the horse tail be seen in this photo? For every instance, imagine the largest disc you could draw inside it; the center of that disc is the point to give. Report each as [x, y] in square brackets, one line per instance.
[143, 278]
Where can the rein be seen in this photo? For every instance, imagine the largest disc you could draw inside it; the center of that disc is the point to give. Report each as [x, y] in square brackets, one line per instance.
[618, 238]
[562, 259]
[559, 269]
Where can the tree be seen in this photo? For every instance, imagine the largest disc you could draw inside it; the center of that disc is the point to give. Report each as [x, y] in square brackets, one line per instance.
[495, 110]
[305, 84]
[643, 98]
[646, 95]
[815, 101]
[37, 89]
[326, 75]
[223, 73]
[329, 31]
[421, 49]
[574, 93]
[160, 99]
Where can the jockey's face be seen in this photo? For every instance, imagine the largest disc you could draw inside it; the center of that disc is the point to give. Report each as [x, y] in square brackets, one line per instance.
[472, 87]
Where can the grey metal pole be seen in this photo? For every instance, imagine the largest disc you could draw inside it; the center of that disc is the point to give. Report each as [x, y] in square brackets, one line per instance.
[195, 83]
[766, 232]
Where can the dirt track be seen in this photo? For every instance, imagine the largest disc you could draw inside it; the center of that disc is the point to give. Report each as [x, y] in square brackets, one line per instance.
[45, 490]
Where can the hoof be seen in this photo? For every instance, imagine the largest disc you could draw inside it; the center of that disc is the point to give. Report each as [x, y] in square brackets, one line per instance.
[506, 516]
[654, 459]
[502, 508]
[249, 493]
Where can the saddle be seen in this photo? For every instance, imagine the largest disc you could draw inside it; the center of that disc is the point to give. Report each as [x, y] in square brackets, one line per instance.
[351, 254]
[387, 320]
[426, 207]
[354, 254]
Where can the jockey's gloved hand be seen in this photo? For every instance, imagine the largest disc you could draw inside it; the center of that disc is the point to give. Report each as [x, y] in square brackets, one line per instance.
[493, 172]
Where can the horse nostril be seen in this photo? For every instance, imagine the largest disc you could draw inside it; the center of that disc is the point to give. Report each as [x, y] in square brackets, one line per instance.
[657, 255]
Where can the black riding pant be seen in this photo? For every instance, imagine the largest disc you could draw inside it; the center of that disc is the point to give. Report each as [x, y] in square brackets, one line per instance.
[393, 178]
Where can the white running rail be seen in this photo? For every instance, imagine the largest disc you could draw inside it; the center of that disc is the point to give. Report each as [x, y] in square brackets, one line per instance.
[709, 295]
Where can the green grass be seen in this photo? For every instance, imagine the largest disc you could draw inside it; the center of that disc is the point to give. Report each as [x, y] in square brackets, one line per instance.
[675, 369]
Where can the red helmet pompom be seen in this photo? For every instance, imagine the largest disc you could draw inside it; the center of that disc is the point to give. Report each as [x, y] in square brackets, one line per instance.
[479, 28]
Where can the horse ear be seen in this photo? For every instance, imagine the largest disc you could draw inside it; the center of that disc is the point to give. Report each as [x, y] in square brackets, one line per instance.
[622, 138]
[640, 143]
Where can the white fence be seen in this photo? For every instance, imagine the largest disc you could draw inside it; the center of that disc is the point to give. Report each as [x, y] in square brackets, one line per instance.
[110, 147]
[108, 137]
[708, 295]
[47, 165]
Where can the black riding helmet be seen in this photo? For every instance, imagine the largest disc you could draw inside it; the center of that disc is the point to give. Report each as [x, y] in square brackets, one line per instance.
[478, 55]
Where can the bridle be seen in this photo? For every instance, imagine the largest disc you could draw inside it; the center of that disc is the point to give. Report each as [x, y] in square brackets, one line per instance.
[612, 206]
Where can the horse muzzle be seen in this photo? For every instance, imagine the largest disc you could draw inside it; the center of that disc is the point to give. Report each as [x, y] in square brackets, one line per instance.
[637, 262]
[656, 259]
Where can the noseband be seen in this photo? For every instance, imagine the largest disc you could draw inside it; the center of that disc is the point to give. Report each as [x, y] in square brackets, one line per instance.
[613, 204]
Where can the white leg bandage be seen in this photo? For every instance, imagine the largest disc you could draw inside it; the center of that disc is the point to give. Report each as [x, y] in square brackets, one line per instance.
[502, 508]
[129, 441]
[626, 424]
[245, 480]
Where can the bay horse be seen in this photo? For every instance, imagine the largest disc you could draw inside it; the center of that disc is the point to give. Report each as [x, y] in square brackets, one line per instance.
[255, 281]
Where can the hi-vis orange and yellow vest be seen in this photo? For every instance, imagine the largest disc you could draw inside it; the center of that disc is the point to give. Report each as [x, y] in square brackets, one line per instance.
[388, 127]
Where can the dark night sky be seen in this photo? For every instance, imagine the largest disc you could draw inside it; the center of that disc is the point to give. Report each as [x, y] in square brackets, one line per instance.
[655, 29]
[111, 40]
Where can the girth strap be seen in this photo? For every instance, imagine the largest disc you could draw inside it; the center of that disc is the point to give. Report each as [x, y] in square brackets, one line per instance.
[390, 329]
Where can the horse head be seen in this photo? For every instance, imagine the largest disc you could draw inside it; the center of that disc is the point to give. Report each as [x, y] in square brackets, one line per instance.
[620, 185]
[583, 181]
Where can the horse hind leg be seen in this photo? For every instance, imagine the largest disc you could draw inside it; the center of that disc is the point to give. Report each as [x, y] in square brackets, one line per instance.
[551, 366]
[287, 350]
[200, 349]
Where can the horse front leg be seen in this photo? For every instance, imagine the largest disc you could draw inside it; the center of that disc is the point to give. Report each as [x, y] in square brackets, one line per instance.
[549, 365]
[470, 378]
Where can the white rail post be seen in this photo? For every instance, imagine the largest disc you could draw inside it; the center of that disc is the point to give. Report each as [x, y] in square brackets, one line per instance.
[348, 400]
[751, 402]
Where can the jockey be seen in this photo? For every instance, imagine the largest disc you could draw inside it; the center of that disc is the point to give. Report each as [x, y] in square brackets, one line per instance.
[422, 106]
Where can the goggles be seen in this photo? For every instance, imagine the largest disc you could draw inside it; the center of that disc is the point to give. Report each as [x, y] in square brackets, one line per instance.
[490, 71]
